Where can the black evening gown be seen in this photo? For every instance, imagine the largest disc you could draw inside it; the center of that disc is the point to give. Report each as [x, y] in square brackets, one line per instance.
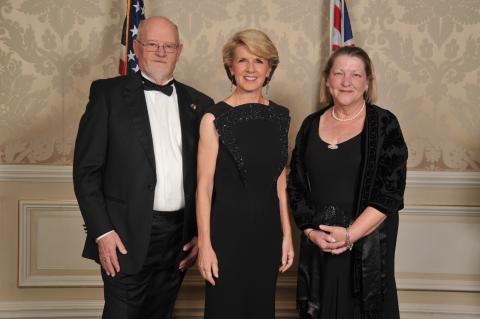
[334, 176]
[246, 230]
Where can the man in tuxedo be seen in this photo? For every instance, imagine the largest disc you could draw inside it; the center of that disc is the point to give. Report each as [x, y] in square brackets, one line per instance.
[134, 175]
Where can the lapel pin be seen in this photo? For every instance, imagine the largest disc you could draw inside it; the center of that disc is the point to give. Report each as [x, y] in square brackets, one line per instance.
[193, 106]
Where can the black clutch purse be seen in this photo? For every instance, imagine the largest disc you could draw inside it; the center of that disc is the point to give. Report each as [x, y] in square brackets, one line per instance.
[331, 215]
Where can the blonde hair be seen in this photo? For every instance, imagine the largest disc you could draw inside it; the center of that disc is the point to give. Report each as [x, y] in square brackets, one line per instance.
[256, 42]
[370, 95]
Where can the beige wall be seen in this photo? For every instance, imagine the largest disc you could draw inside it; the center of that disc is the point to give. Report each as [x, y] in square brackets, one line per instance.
[426, 54]
[427, 57]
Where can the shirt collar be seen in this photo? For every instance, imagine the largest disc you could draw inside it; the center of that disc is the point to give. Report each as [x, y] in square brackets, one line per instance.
[152, 80]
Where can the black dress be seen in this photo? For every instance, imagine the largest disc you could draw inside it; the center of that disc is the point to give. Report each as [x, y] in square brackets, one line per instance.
[335, 183]
[246, 230]
[334, 177]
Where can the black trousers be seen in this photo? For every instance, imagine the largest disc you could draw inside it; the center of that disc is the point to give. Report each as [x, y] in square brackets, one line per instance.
[151, 293]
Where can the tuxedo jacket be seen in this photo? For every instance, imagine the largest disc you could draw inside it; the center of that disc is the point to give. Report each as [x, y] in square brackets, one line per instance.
[114, 171]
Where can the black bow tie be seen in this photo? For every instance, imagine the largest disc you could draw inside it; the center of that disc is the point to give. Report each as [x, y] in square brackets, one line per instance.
[166, 89]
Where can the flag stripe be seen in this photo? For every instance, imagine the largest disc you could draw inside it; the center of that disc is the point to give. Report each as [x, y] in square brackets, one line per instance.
[127, 23]
[340, 29]
[337, 18]
[347, 28]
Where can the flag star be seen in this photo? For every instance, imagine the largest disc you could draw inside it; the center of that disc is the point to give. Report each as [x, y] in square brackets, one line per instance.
[137, 7]
[136, 68]
[134, 31]
[131, 56]
[143, 11]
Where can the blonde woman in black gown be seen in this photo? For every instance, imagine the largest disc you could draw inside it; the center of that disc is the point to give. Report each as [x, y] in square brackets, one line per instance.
[346, 187]
[244, 232]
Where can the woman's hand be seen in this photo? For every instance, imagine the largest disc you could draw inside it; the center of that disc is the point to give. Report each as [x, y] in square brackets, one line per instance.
[207, 264]
[207, 156]
[339, 234]
[325, 241]
[287, 253]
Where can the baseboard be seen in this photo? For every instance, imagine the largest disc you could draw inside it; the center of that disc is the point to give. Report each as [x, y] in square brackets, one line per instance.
[438, 311]
[194, 310]
[93, 309]
[51, 309]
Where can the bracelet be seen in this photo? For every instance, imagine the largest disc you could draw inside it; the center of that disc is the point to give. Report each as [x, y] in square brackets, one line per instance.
[348, 242]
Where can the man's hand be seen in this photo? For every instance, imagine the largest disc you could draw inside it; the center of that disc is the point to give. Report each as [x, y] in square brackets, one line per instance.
[189, 260]
[107, 250]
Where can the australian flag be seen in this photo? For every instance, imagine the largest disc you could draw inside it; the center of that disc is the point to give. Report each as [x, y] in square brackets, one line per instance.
[135, 14]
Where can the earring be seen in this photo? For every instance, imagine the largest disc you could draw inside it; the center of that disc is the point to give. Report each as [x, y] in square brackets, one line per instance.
[232, 83]
[266, 89]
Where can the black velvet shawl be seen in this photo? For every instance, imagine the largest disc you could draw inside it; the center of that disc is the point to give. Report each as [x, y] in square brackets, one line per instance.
[382, 186]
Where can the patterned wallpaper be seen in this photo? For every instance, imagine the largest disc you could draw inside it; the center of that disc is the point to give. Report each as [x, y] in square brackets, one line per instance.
[426, 54]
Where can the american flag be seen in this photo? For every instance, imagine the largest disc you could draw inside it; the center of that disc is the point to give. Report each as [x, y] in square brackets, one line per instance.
[340, 28]
[135, 13]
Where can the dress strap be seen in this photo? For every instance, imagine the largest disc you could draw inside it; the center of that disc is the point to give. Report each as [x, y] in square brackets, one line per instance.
[218, 109]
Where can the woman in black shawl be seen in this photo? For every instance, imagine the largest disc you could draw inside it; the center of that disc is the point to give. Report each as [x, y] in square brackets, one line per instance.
[346, 187]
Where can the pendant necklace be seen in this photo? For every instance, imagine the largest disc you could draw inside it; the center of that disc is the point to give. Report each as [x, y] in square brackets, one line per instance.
[332, 146]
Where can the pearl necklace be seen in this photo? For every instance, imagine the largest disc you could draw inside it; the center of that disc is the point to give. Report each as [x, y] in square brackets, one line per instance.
[348, 118]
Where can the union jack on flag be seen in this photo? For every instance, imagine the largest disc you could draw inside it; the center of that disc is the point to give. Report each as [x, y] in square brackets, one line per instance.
[340, 28]
[128, 60]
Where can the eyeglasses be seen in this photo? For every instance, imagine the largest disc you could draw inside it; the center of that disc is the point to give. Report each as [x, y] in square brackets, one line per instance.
[168, 47]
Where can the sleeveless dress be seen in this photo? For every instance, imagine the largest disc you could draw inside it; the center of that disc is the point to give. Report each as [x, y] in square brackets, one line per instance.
[246, 230]
[334, 176]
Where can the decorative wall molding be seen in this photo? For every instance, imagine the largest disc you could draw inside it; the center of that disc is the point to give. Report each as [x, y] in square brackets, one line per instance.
[442, 179]
[194, 310]
[28, 274]
[63, 174]
[36, 173]
[433, 281]
[29, 277]
[433, 210]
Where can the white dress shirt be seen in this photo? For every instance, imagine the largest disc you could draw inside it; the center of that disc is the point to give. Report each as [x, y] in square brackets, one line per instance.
[167, 146]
